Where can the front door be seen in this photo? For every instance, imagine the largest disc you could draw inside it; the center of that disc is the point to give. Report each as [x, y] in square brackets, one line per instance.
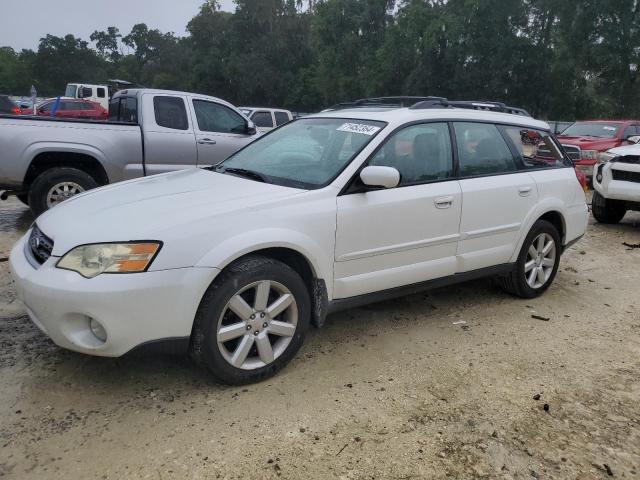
[220, 132]
[404, 235]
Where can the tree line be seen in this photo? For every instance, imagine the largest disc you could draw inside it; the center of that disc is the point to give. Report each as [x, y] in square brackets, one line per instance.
[558, 59]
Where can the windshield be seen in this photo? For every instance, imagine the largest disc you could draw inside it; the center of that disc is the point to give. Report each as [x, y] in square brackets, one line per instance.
[307, 153]
[592, 129]
[71, 91]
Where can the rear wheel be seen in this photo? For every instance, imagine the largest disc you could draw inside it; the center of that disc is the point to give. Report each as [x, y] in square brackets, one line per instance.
[251, 321]
[537, 263]
[606, 210]
[56, 185]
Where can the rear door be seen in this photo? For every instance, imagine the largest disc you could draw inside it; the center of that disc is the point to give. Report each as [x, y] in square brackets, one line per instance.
[497, 196]
[169, 141]
[393, 237]
[220, 131]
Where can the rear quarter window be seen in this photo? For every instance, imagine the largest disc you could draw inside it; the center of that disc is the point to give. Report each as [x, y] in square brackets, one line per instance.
[170, 112]
[535, 148]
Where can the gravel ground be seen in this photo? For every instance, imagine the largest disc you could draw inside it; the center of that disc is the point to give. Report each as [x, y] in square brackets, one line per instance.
[460, 382]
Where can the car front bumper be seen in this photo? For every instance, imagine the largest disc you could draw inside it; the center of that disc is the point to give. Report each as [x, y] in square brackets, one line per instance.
[132, 308]
[610, 188]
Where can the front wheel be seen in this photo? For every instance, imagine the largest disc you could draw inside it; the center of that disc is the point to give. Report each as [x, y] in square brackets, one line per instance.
[606, 210]
[251, 321]
[537, 263]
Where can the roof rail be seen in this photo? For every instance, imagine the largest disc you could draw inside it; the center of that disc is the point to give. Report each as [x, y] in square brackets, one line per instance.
[438, 102]
[386, 102]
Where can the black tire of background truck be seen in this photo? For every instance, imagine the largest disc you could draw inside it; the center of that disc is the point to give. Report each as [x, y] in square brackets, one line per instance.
[204, 348]
[515, 282]
[49, 178]
[606, 210]
[24, 198]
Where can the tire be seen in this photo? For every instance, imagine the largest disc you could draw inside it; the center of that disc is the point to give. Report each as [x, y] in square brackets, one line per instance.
[63, 180]
[217, 311]
[518, 282]
[24, 198]
[607, 210]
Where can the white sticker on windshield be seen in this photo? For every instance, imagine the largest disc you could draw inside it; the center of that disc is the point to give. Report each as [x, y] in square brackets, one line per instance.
[611, 129]
[358, 128]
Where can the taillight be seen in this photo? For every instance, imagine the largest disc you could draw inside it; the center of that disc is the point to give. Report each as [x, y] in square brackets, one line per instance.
[16, 110]
[582, 178]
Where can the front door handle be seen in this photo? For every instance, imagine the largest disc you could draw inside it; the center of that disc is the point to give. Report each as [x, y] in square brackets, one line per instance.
[524, 191]
[444, 202]
[206, 141]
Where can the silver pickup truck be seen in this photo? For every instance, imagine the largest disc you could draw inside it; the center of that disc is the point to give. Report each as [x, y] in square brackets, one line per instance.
[45, 161]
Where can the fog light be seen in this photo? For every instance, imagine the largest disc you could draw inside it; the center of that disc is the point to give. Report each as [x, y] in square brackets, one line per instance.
[98, 330]
[599, 177]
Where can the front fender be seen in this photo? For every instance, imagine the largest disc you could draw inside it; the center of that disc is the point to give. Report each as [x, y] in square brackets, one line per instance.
[237, 246]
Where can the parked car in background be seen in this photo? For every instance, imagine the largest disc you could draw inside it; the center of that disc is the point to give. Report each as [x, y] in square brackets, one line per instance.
[46, 161]
[584, 140]
[8, 106]
[559, 127]
[266, 119]
[71, 108]
[328, 212]
[94, 93]
[616, 181]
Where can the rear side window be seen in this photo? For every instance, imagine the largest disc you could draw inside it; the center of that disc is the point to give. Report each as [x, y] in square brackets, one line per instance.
[170, 112]
[101, 93]
[213, 117]
[536, 148]
[123, 109]
[281, 118]
[482, 150]
[262, 119]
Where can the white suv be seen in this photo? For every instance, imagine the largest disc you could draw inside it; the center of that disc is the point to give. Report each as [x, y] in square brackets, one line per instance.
[616, 181]
[327, 212]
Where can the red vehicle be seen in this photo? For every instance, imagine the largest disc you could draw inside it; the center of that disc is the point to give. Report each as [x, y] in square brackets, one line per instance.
[584, 140]
[71, 108]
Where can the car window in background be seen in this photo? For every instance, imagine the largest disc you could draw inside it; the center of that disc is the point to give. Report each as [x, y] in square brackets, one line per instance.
[213, 117]
[592, 129]
[45, 108]
[536, 148]
[123, 110]
[71, 91]
[262, 119]
[421, 153]
[281, 118]
[482, 150]
[246, 111]
[170, 112]
[101, 93]
[307, 153]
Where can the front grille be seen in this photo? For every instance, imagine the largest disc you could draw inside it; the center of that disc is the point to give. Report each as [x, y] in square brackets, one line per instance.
[573, 152]
[635, 159]
[625, 176]
[40, 245]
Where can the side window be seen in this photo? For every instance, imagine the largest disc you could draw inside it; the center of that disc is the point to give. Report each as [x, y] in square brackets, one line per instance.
[281, 118]
[262, 119]
[421, 153]
[129, 110]
[170, 112]
[482, 150]
[536, 148]
[213, 117]
[101, 92]
[630, 131]
[46, 108]
[67, 106]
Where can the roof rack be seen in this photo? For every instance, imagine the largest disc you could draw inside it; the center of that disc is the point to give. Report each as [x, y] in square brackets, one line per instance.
[384, 102]
[439, 102]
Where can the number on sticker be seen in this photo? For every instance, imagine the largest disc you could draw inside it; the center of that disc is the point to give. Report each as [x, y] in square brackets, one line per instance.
[358, 128]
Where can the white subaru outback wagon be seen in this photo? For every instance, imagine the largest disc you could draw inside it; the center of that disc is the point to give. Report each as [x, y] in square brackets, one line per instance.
[326, 212]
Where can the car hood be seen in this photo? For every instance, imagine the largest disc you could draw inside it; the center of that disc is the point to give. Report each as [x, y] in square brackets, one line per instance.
[588, 143]
[626, 150]
[148, 208]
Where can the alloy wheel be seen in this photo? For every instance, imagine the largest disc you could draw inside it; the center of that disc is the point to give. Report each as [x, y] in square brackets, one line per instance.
[541, 259]
[257, 325]
[61, 192]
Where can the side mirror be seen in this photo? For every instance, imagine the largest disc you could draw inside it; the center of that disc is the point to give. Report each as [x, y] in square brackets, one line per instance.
[251, 128]
[634, 139]
[374, 176]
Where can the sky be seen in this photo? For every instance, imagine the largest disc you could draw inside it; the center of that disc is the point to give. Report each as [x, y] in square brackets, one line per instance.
[24, 22]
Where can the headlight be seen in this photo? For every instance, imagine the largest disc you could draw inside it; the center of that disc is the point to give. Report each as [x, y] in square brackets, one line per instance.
[92, 260]
[589, 154]
[605, 157]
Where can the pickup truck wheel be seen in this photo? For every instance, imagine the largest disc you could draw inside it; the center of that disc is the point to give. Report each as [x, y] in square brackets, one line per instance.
[57, 185]
[606, 210]
[537, 263]
[251, 321]
[24, 198]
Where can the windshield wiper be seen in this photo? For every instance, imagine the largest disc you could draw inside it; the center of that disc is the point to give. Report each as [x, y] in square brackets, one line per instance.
[246, 173]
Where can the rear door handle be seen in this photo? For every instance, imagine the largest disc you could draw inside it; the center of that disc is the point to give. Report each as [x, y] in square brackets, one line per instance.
[524, 191]
[444, 202]
[206, 141]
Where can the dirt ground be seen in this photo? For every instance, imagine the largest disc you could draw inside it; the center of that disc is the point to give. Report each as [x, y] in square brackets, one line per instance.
[460, 382]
